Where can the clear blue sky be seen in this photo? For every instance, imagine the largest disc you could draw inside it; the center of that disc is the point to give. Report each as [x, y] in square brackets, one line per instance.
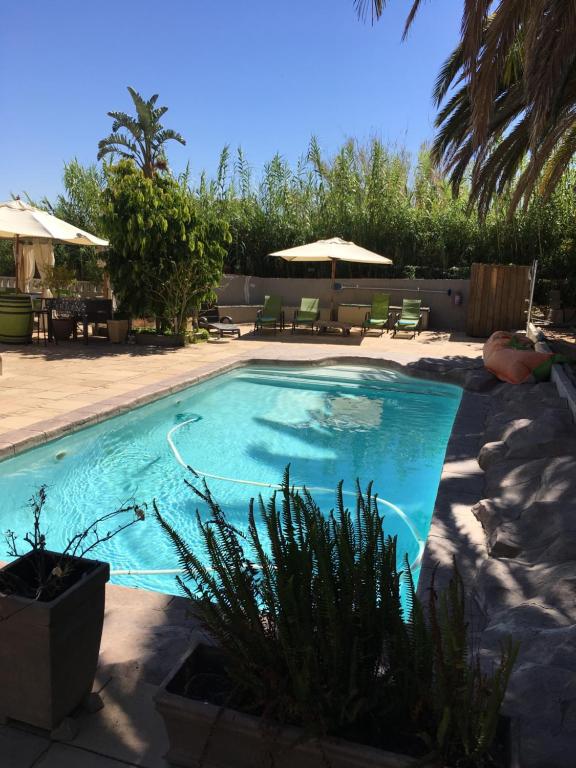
[263, 75]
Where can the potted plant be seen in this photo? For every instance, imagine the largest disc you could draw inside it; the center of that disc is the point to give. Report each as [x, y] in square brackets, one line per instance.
[316, 662]
[51, 617]
[118, 328]
[58, 279]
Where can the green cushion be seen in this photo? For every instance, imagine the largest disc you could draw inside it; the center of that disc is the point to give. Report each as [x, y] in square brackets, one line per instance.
[380, 306]
[309, 307]
[272, 307]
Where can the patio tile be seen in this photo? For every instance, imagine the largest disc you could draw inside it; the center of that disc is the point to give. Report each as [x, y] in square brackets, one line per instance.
[6, 449]
[65, 756]
[21, 437]
[19, 749]
[127, 728]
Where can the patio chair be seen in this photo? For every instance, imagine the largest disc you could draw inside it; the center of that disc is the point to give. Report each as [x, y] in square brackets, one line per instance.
[307, 315]
[378, 317]
[271, 315]
[410, 318]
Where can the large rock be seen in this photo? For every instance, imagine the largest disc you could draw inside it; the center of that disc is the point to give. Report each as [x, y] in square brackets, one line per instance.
[552, 646]
[558, 481]
[493, 512]
[530, 531]
[491, 453]
[513, 472]
[480, 380]
[543, 698]
[505, 541]
[551, 434]
[561, 549]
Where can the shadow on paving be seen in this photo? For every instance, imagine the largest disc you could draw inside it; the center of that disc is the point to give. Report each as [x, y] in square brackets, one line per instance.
[145, 633]
[77, 350]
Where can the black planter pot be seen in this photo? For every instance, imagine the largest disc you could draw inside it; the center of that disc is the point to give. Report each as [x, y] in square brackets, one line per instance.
[62, 328]
[49, 650]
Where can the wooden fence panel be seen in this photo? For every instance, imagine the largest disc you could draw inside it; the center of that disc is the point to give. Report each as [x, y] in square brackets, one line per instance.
[498, 300]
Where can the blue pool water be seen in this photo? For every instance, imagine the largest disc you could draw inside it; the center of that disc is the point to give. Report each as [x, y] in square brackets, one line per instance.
[329, 423]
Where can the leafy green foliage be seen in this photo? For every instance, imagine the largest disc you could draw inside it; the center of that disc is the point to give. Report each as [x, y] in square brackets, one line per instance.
[7, 267]
[381, 199]
[314, 632]
[141, 138]
[167, 248]
[58, 279]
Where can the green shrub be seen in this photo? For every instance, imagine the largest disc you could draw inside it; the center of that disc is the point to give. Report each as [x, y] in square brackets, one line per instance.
[314, 633]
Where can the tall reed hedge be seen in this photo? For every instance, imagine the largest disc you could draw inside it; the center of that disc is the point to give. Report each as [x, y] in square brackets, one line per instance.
[379, 196]
[384, 200]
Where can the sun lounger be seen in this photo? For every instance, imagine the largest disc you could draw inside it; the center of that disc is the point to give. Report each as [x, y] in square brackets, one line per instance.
[410, 318]
[378, 317]
[271, 315]
[211, 320]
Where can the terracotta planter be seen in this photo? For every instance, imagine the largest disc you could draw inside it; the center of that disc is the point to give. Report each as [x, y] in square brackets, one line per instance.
[49, 650]
[202, 734]
[62, 328]
[158, 340]
[117, 331]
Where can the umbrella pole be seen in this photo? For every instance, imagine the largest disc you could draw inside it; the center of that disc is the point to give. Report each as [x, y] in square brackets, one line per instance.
[332, 307]
[17, 261]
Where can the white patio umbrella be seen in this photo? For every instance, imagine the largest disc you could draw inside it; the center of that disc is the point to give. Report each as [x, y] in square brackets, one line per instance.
[335, 249]
[21, 221]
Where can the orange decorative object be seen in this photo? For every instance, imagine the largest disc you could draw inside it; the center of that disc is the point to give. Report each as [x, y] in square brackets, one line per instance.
[511, 358]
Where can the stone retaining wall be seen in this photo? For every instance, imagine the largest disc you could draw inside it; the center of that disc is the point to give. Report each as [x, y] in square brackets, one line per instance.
[506, 510]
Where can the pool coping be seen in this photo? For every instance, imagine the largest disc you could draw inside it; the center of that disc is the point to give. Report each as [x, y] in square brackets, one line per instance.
[454, 529]
[43, 431]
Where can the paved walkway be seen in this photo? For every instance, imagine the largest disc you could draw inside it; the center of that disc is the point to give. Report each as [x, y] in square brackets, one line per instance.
[46, 389]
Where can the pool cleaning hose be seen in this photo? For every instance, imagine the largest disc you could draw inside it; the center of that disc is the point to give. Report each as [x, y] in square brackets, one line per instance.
[177, 455]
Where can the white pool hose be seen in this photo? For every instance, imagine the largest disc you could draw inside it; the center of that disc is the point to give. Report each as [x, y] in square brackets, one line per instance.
[169, 437]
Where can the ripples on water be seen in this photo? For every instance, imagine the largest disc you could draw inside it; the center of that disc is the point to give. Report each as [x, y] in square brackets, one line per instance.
[332, 423]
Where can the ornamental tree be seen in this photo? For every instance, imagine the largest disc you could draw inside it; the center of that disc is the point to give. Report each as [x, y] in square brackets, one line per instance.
[164, 243]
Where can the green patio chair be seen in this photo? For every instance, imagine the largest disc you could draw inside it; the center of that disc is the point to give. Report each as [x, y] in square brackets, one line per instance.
[378, 317]
[410, 318]
[271, 315]
[307, 315]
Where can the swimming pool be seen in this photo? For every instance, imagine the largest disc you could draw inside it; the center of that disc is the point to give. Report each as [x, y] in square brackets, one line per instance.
[241, 429]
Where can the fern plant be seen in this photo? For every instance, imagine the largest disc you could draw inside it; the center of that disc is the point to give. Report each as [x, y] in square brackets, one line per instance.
[314, 633]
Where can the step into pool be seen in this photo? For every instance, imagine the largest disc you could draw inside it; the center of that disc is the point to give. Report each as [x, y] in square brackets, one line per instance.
[239, 430]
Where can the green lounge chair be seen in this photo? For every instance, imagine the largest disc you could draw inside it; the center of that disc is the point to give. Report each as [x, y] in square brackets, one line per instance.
[378, 317]
[307, 315]
[410, 318]
[271, 315]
